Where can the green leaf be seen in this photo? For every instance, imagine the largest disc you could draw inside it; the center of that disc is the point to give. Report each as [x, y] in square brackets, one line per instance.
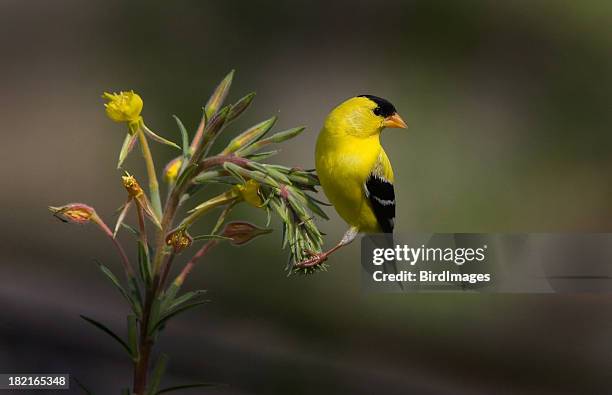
[126, 148]
[275, 138]
[176, 312]
[185, 386]
[125, 391]
[184, 138]
[240, 106]
[186, 297]
[158, 372]
[249, 136]
[154, 315]
[168, 297]
[218, 97]
[286, 135]
[158, 138]
[234, 170]
[131, 229]
[144, 263]
[109, 274]
[316, 209]
[104, 329]
[132, 335]
[121, 217]
[185, 174]
[208, 176]
[262, 155]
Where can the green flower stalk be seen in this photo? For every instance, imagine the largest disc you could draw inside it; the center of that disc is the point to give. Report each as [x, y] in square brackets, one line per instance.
[150, 290]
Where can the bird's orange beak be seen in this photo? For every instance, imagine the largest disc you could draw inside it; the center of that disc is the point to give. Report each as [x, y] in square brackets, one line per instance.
[394, 121]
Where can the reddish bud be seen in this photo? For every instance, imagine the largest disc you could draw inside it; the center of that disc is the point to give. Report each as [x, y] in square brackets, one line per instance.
[242, 232]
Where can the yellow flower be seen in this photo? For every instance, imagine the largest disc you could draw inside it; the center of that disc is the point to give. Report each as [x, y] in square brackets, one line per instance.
[124, 107]
[131, 185]
[172, 169]
[179, 240]
[249, 192]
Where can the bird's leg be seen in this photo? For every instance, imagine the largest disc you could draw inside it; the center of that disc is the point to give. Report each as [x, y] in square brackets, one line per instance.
[316, 258]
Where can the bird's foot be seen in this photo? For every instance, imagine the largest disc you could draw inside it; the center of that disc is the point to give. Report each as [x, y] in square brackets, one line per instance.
[315, 259]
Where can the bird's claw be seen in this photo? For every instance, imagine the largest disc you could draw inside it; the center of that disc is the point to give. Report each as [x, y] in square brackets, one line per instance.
[316, 258]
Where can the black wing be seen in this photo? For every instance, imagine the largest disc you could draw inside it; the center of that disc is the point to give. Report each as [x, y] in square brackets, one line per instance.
[381, 195]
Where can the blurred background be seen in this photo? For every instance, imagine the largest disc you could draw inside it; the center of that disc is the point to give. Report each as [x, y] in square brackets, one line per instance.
[509, 113]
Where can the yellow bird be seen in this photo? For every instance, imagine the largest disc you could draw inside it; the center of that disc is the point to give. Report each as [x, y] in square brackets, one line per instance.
[354, 169]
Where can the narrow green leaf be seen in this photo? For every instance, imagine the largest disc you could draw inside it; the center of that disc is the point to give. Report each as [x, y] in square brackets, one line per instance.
[104, 329]
[158, 138]
[133, 335]
[208, 176]
[154, 315]
[144, 263]
[258, 176]
[234, 170]
[316, 209]
[109, 274]
[262, 155]
[130, 228]
[249, 136]
[158, 372]
[286, 135]
[168, 297]
[268, 215]
[212, 130]
[186, 297]
[135, 292]
[176, 312]
[275, 138]
[240, 106]
[126, 148]
[185, 174]
[184, 137]
[185, 386]
[121, 217]
[218, 97]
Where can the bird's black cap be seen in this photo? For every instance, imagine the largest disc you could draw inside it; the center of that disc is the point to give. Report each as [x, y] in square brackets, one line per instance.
[383, 108]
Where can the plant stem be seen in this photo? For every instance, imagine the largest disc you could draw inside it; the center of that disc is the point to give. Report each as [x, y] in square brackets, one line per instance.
[189, 266]
[141, 226]
[166, 270]
[153, 184]
[124, 259]
[141, 368]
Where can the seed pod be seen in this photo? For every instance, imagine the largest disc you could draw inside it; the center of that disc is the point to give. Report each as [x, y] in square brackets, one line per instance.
[241, 232]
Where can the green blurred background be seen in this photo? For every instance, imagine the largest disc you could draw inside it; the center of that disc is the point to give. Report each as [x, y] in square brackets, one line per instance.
[509, 113]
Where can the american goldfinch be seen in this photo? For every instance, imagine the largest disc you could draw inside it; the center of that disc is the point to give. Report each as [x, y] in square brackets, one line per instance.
[354, 169]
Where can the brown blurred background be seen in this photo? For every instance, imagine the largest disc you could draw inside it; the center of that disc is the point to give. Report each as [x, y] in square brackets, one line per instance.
[509, 108]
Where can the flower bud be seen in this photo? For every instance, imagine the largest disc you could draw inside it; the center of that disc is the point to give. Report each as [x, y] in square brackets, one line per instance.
[242, 232]
[123, 107]
[76, 213]
[249, 192]
[179, 240]
[172, 169]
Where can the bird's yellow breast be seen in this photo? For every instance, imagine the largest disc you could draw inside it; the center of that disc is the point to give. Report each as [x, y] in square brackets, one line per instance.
[344, 163]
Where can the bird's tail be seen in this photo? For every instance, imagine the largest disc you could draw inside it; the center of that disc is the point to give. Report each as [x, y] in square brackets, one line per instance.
[386, 240]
